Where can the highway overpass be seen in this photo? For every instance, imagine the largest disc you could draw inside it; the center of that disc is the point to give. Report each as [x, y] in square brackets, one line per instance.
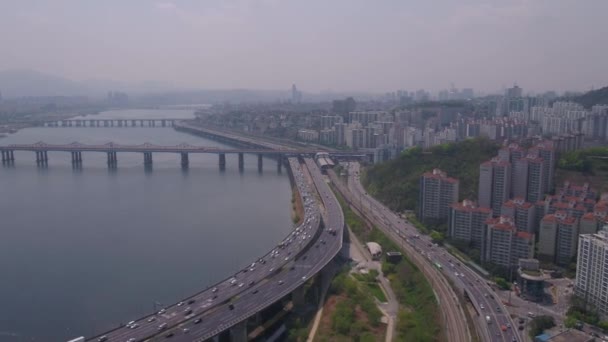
[228, 305]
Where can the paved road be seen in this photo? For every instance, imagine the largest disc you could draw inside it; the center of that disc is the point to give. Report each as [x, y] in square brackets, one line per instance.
[298, 257]
[480, 293]
[255, 286]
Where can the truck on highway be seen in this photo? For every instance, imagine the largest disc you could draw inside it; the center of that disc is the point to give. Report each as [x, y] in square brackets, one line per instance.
[488, 320]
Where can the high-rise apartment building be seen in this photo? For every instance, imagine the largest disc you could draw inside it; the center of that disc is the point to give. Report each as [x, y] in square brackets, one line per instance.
[545, 150]
[437, 192]
[467, 223]
[504, 244]
[522, 212]
[494, 184]
[591, 283]
[536, 179]
[558, 238]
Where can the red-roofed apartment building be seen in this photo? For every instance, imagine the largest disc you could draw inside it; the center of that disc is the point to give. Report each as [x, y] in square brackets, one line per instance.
[437, 193]
[467, 223]
[558, 238]
[504, 244]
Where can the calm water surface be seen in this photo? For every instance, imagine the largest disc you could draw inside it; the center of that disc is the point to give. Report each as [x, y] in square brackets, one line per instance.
[83, 250]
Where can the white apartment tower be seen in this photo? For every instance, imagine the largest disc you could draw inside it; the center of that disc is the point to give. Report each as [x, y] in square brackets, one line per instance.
[591, 281]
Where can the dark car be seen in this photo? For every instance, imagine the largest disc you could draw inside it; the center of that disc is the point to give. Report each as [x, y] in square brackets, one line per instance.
[231, 306]
[198, 320]
[169, 335]
[191, 301]
[188, 312]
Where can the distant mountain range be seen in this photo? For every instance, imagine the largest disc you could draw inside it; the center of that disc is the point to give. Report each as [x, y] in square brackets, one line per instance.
[19, 83]
[591, 98]
[22, 83]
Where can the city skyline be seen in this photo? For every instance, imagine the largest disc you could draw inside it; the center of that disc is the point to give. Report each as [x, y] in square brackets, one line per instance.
[271, 45]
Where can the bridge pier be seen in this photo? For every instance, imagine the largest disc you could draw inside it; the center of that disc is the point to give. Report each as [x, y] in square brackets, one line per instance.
[280, 163]
[172, 123]
[185, 160]
[163, 122]
[133, 123]
[298, 297]
[42, 157]
[260, 162]
[241, 161]
[7, 156]
[147, 158]
[238, 333]
[76, 157]
[222, 161]
[112, 160]
[119, 123]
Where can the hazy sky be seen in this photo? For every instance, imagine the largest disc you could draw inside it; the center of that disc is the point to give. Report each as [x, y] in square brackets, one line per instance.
[377, 45]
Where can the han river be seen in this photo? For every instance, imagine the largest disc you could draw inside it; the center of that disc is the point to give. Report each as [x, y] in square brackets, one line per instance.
[82, 250]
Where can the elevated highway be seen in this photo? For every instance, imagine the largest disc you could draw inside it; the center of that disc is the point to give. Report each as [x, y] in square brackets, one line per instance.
[270, 278]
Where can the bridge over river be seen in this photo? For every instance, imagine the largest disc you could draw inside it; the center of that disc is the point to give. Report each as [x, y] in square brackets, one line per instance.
[41, 150]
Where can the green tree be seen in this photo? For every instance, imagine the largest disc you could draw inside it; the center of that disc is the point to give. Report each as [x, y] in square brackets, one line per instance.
[540, 324]
[570, 322]
[437, 237]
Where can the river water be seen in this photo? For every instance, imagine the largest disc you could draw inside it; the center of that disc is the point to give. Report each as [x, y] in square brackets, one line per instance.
[82, 250]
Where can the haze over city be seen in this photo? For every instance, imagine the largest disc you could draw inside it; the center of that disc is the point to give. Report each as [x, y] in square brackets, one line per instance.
[339, 45]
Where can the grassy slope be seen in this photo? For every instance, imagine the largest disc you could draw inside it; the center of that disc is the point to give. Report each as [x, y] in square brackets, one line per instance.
[396, 182]
[418, 315]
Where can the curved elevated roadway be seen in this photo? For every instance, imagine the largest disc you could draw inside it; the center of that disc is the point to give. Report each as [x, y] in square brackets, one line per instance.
[303, 253]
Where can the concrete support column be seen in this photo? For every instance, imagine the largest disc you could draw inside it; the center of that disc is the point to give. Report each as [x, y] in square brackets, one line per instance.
[147, 158]
[280, 163]
[238, 333]
[106, 123]
[112, 160]
[185, 160]
[4, 155]
[222, 161]
[260, 162]
[298, 297]
[153, 123]
[11, 156]
[241, 161]
[163, 123]
[173, 123]
[133, 123]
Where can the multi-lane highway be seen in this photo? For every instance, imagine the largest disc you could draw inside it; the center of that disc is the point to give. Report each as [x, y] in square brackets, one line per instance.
[303, 253]
[500, 326]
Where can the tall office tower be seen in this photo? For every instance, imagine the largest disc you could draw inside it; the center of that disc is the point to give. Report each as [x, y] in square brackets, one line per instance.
[513, 92]
[467, 223]
[535, 189]
[558, 236]
[546, 151]
[522, 212]
[494, 184]
[437, 192]
[296, 95]
[591, 283]
[504, 244]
